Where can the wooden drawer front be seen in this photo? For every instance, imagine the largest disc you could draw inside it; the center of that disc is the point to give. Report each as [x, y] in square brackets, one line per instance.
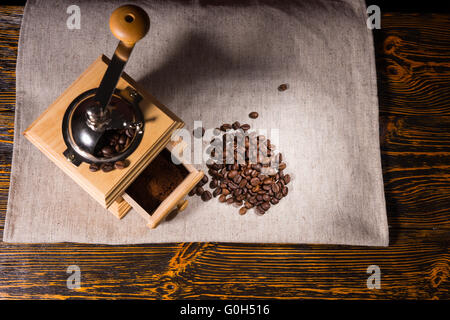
[175, 198]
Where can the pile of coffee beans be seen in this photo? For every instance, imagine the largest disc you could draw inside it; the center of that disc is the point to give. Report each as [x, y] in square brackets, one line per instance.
[113, 143]
[244, 182]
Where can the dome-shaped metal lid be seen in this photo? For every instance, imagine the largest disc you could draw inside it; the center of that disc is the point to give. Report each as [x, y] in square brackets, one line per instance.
[119, 137]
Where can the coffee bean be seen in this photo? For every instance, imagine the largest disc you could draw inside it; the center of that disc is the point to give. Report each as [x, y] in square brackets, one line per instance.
[242, 211]
[225, 127]
[216, 192]
[232, 174]
[282, 166]
[199, 191]
[94, 167]
[230, 200]
[283, 87]
[245, 127]
[107, 167]
[120, 164]
[130, 132]
[285, 191]
[253, 115]
[287, 179]
[107, 151]
[260, 210]
[200, 184]
[206, 196]
[232, 185]
[222, 198]
[205, 179]
[122, 139]
[236, 125]
[213, 183]
[255, 181]
[265, 206]
[192, 192]
[275, 188]
[252, 200]
[198, 132]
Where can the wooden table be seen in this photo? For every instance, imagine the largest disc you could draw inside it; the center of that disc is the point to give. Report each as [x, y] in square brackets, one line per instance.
[413, 63]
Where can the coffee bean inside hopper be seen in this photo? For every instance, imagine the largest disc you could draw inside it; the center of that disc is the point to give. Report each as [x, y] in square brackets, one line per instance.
[249, 181]
[113, 143]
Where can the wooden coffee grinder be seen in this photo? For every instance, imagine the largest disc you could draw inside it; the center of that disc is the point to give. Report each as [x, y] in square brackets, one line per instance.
[105, 119]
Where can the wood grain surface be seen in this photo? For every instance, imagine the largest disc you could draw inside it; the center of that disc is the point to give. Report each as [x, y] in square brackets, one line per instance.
[413, 66]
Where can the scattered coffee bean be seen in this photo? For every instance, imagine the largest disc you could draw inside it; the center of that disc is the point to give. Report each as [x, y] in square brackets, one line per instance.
[198, 132]
[265, 206]
[120, 164]
[94, 167]
[232, 174]
[206, 196]
[287, 179]
[213, 183]
[107, 167]
[199, 191]
[242, 211]
[274, 201]
[283, 87]
[253, 115]
[216, 192]
[225, 127]
[236, 125]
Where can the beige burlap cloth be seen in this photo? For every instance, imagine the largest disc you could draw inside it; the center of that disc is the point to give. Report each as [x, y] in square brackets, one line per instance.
[216, 63]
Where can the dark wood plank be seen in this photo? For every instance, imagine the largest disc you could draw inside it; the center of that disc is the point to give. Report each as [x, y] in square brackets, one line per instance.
[415, 137]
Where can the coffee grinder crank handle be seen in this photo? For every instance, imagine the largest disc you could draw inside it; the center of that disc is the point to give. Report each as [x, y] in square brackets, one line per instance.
[129, 24]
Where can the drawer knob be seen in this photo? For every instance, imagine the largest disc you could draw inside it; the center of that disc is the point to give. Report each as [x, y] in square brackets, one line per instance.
[182, 205]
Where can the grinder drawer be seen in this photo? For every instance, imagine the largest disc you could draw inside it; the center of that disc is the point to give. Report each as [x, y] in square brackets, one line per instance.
[161, 187]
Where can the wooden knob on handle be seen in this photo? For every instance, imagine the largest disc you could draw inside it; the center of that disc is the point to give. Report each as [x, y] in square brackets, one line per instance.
[129, 24]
